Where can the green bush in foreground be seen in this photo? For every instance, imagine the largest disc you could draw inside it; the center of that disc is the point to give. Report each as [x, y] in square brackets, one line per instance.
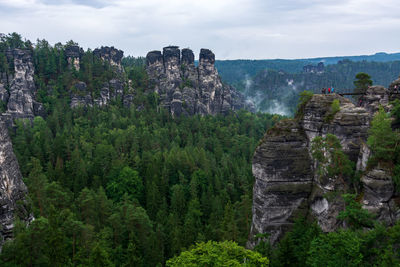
[213, 253]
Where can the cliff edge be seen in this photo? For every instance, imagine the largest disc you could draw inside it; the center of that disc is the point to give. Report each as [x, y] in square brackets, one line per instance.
[287, 182]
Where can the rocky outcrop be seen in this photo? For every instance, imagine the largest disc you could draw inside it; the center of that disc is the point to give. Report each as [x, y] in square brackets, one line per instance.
[12, 188]
[113, 90]
[20, 96]
[374, 97]
[73, 53]
[314, 69]
[110, 55]
[17, 95]
[378, 195]
[394, 90]
[186, 89]
[287, 181]
[282, 168]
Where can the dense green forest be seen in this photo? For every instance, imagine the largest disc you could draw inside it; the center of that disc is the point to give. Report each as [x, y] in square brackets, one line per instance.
[118, 186]
[126, 187]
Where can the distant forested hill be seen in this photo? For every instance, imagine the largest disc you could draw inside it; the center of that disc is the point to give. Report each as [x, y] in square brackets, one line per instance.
[233, 71]
[277, 92]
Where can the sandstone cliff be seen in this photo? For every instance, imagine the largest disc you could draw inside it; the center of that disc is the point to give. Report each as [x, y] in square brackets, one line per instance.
[111, 90]
[17, 90]
[287, 184]
[186, 89]
[12, 188]
[17, 93]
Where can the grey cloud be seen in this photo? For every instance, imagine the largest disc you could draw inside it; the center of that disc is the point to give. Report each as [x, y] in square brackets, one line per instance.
[90, 3]
[231, 28]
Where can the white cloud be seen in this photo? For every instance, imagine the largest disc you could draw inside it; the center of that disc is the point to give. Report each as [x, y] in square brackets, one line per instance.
[232, 29]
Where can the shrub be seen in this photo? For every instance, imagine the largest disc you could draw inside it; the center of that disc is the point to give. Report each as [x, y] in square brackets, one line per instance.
[335, 107]
[213, 253]
[305, 96]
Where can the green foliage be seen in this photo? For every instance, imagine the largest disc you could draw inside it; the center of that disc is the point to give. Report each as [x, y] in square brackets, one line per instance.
[363, 80]
[128, 182]
[234, 71]
[354, 215]
[114, 186]
[335, 108]
[382, 140]
[307, 245]
[13, 40]
[270, 86]
[169, 182]
[334, 249]
[293, 249]
[3, 106]
[263, 244]
[212, 253]
[330, 159]
[395, 112]
[138, 76]
[130, 61]
[305, 96]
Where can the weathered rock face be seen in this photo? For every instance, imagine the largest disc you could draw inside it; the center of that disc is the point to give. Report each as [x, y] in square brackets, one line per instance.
[350, 124]
[12, 188]
[282, 168]
[17, 93]
[186, 89]
[20, 97]
[73, 54]
[394, 88]
[287, 184]
[112, 90]
[378, 195]
[111, 55]
[314, 69]
[375, 96]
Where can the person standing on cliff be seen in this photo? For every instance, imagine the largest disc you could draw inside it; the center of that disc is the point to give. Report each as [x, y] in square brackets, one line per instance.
[324, 91]
[332, 90]
[329, 90]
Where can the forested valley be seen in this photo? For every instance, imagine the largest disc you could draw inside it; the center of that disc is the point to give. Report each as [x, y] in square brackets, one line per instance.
[125, 186]
[118, 185]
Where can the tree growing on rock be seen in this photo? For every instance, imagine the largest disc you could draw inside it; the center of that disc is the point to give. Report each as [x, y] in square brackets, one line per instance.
[331, 161]
[363, 80]
[382, 140]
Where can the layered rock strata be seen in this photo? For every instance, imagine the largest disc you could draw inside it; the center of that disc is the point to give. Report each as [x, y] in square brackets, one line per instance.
[17, 90]
[287, 183]
[12, 188]
[186, 89]
[17, 95]
[283, 171]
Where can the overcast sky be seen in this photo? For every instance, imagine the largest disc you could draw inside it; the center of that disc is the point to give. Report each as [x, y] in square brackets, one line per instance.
[251, 29]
